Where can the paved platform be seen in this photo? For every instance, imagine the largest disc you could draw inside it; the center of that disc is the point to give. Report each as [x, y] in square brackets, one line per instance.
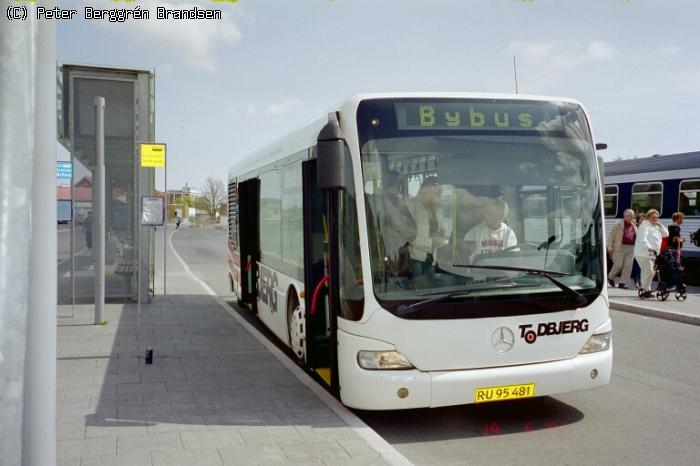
[687, 311]
[216, 393]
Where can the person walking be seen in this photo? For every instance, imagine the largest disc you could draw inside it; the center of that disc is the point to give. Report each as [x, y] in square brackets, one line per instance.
[177, 222]
[87, 227]
[648, 245]
[636, 272]
[621, 247]
[675, 242]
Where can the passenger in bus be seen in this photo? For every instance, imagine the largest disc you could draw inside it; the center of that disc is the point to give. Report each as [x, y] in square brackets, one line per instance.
[427, 212]
[621, 247]
[397, 224]
[636, 271]
[492, 234]
[648, 246]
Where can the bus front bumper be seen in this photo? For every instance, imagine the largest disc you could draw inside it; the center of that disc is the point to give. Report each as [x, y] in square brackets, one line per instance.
[408, 389]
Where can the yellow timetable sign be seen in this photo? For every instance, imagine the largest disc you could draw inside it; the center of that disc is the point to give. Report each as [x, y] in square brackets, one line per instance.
[153, 155]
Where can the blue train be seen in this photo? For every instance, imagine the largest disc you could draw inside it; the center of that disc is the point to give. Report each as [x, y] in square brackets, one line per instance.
[668, 183]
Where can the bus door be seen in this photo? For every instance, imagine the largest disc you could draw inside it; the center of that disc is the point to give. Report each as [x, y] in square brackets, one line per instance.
[249, 228]
[316, 270]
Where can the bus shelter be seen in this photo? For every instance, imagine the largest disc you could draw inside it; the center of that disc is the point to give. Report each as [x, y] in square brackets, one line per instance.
[129, 120]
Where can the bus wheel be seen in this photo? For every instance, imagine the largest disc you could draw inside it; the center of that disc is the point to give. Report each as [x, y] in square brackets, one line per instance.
[296, 326]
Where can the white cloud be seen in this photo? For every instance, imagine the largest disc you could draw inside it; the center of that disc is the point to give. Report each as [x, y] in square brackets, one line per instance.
[191, 42]
[533, 51]
[559, 55]
[599, 51]
[164, 69]
[671, 50]
[672, 83]
[277, 109]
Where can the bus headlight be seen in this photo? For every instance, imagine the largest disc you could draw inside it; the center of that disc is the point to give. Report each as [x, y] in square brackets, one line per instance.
[377, 360]
[600, 342]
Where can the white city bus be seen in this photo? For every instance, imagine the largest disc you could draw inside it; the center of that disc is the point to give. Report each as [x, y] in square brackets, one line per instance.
[423, 250]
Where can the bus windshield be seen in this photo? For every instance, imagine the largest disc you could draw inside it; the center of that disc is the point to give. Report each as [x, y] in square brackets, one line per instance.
[456, 189]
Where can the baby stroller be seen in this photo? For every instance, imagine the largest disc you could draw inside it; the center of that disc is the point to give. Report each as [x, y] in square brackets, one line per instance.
[669, 276]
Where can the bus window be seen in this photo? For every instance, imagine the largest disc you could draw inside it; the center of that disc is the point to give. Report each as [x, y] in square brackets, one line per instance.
[688, 197]
[647, 196]
[233, 214]
[534, 215]
[476, 201]
[610, 200]
[352, 298]
[292, 222]
[270, 218]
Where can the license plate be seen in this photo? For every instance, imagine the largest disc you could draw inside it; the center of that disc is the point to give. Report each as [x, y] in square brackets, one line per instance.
[504, 392]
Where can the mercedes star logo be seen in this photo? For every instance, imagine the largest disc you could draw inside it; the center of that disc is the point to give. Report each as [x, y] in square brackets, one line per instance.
[502, 339]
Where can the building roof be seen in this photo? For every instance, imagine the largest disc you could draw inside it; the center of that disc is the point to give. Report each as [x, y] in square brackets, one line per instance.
[655, 163]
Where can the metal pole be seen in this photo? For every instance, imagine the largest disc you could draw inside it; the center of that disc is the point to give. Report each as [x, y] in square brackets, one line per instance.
[99, 219]
[138, 264]
[165, 226]
[515, 75]
[17, 48]
[39, 425]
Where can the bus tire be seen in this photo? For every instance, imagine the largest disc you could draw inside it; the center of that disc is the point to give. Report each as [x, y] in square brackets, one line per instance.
[296, 325]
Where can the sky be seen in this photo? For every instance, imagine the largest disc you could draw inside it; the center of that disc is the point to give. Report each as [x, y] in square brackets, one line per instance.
[225, 88]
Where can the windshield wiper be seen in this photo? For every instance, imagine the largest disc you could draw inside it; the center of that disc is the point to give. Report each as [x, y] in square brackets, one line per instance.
[546, 245]
[579, 299]
[415, 307]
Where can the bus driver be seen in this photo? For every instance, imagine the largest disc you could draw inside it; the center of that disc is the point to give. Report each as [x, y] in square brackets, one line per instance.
[492, 234]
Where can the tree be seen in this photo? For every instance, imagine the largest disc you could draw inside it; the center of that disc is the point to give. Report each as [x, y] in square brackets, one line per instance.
[214, 195]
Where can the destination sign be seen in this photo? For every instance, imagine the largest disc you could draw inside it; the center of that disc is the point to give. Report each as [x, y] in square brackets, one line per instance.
[475, 115]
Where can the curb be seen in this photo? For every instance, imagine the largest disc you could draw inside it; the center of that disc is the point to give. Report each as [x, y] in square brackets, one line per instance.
[385, 450]
[659, 314]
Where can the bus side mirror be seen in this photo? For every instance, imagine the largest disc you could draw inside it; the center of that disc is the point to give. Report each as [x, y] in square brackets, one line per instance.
[330, 154]
[601, 170]
[601, 146]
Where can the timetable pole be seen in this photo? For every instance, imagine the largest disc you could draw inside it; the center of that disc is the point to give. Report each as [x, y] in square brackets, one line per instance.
[99, 219]
[38, 416]
[139, 259]
[165, 228]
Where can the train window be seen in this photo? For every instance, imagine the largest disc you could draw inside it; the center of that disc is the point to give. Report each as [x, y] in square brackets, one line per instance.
[688, 197]
[610, 200]
[647, 196]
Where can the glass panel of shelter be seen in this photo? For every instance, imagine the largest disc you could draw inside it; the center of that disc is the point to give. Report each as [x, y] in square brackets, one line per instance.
[120, 273]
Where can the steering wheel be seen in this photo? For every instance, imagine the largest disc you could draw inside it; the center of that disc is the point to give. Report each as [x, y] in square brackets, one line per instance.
[525, 245]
